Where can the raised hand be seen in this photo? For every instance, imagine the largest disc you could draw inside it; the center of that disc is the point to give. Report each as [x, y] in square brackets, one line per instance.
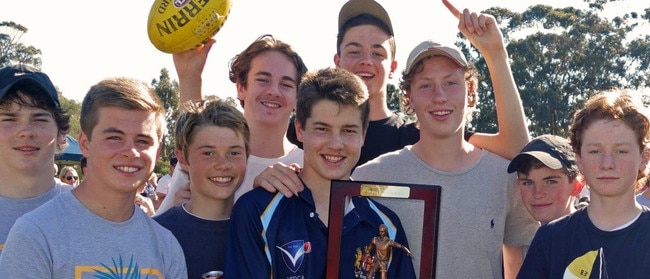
[480, 29]
[189, 67]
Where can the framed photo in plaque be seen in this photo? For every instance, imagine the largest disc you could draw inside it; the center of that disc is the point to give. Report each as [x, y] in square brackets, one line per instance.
[423, 210]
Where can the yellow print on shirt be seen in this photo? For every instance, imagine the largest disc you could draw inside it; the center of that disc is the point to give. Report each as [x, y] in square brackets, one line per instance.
[581, 267]
[116, 271]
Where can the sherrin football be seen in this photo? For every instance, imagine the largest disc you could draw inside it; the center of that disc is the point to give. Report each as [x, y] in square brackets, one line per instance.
[179, 25]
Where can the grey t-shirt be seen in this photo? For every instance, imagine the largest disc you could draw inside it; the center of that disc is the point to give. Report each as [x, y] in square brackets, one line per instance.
[63, 239]
[12, 209]
[479, 211]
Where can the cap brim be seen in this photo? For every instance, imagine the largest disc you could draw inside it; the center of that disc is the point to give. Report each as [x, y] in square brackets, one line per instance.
[35, 81]
[543, 157]
[435, 51]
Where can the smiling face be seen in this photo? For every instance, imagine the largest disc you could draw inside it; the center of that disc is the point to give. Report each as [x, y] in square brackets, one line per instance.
[270, 93]
[365, 51]
[216, 162]
[123, 149]
[438, 94]
[332, 139]
[610, 164]
[547, 193]
[28, 140]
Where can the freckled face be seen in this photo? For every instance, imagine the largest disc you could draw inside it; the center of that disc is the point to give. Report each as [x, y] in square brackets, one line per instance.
[546, 193]
[610, 164]
[438, 94]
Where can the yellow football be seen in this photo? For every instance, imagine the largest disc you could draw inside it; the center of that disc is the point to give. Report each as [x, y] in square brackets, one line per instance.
[179, 25]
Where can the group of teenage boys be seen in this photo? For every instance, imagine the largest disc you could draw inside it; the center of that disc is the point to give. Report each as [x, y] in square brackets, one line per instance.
[216, 221]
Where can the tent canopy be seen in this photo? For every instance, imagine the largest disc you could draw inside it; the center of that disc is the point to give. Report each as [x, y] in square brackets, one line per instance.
[72, 153]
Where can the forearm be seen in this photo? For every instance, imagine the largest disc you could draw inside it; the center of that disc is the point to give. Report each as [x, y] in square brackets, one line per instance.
[513, 132]
[512, 261]
[190, 88]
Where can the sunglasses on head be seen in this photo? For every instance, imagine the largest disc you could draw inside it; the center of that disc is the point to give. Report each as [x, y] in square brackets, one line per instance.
[71, 177]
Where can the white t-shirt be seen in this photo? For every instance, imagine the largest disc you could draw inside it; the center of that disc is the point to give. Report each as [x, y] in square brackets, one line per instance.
[163, 184]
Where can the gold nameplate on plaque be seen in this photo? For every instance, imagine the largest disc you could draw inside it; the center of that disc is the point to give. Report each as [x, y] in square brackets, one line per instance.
[374, 190]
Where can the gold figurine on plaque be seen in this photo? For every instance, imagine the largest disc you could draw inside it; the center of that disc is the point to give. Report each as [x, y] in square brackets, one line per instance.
[383, 247]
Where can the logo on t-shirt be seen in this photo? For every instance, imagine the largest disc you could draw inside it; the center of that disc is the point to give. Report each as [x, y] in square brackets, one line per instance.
[293, 253]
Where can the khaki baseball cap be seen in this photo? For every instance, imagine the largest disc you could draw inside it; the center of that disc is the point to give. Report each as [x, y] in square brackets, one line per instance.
[354, 8]
[431, 48]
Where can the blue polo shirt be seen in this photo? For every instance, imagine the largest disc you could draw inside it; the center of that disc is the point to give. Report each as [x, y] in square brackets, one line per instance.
[272, 236]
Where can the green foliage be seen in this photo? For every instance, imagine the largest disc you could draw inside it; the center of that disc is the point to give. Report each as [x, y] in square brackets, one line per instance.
[168, 91]
[12, 51]
[73, 108]
[559, 58]
[393, 97]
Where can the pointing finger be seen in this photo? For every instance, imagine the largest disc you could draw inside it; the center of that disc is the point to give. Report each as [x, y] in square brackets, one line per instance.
[452, 9]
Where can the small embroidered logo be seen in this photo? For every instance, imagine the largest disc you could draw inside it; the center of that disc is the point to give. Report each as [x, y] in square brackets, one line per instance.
[293, 253]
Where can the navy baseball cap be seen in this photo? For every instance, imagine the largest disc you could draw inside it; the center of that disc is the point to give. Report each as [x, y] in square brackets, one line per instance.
[553, 151]
[23, 74]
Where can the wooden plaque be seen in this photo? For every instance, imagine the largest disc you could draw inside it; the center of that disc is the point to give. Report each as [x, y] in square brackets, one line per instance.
[429, 195]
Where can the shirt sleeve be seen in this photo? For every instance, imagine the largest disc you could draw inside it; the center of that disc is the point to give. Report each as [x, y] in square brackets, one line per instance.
[26, 252]
[534, 262]
[520, 225]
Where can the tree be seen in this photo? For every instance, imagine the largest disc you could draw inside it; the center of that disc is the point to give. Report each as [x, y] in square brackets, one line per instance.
[12, 51]
[73, 108]
[167, 90]
[560, 57]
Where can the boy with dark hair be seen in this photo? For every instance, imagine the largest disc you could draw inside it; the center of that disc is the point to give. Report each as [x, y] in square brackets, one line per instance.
[276, 237]
[212, 147]
[33, 127]
[547, 177]
[609, 237]
[96, 229]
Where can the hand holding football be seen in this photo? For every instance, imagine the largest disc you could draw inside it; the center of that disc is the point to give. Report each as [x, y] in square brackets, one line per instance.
[180, 25]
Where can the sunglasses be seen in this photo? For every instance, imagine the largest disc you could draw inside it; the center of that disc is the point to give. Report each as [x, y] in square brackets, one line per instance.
[71, 177]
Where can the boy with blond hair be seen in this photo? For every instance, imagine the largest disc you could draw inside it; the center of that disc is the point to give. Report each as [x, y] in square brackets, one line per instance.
[212, 148]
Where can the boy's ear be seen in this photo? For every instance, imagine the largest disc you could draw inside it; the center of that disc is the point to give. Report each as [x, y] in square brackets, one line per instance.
[241, 95]
[645, 157]
[61, 140]
[578, 184]
[84, 143]
[181, 159]
[299, 129]
[393, 68]
[471, 93]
